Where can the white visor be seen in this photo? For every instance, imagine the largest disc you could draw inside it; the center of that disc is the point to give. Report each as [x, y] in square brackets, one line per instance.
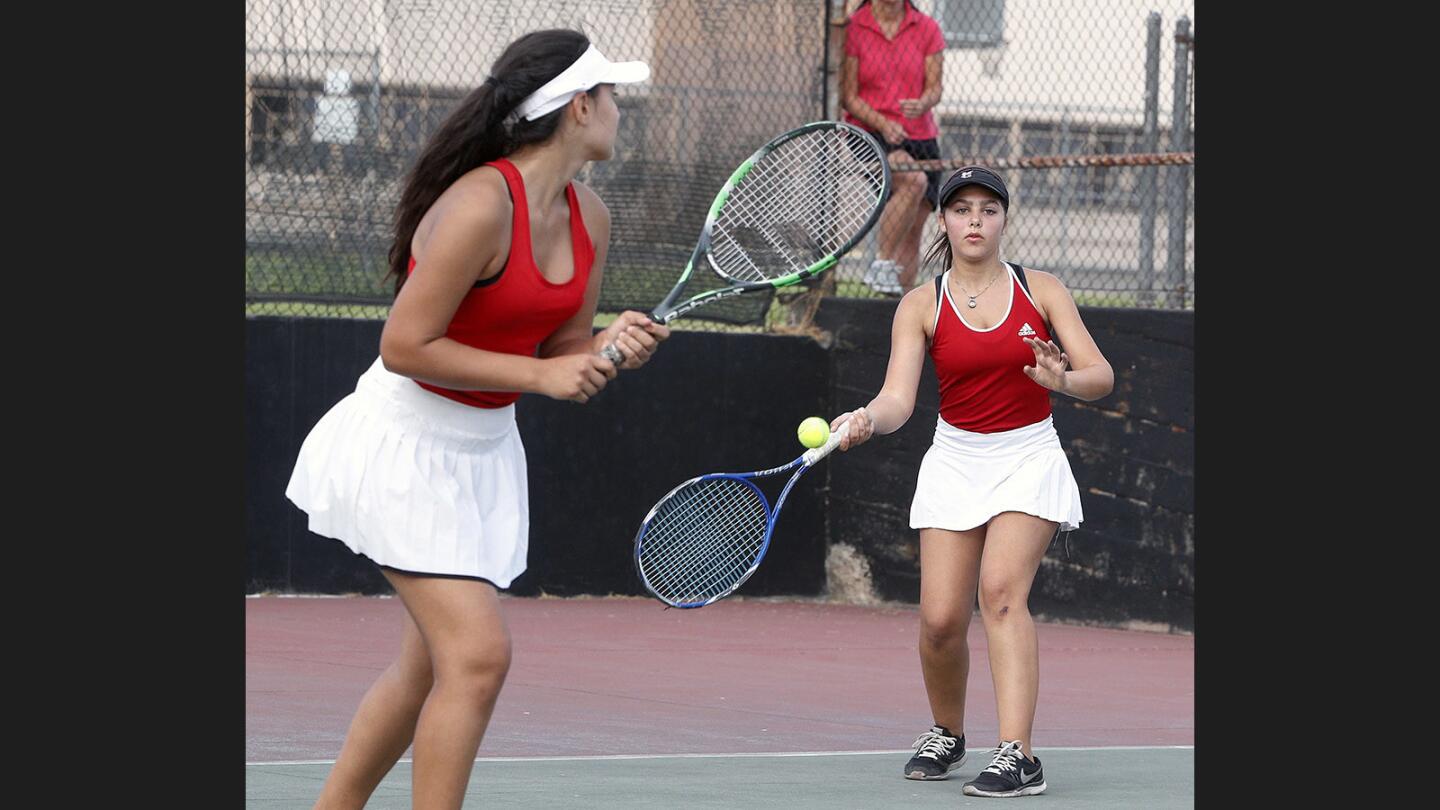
[589, 70]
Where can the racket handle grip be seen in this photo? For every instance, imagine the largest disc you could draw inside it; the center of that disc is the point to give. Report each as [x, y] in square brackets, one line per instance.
[612, 352]
[814, 455]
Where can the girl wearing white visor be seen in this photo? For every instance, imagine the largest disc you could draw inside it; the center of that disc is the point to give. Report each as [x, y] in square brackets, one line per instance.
[498, 258]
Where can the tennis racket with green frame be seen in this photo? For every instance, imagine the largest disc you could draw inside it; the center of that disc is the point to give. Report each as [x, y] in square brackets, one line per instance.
[787, 214]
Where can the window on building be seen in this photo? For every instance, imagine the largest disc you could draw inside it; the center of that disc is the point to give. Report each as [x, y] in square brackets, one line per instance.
[971, 23]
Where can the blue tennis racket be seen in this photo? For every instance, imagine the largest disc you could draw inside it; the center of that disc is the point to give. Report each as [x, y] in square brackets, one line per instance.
[701, 541]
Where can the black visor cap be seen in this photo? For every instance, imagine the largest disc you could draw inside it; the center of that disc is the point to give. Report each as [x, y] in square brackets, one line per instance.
[975, 176]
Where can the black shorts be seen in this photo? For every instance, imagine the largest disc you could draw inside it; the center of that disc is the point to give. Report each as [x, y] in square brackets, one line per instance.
[928, 149]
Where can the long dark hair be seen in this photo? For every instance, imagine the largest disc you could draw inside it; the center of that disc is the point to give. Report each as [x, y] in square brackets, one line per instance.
[476, 131]
[939, 250]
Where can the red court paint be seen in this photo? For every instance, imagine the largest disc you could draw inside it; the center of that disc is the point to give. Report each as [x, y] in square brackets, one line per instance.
[595, 676]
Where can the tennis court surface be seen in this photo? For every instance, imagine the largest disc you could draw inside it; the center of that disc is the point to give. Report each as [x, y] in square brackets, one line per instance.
[621, 703]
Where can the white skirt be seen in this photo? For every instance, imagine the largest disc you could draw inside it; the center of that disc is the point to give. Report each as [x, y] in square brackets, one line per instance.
[967, 478]
[417, 482]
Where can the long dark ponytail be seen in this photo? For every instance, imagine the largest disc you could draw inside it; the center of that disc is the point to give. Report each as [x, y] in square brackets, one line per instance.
[939, 251]
[477, 132]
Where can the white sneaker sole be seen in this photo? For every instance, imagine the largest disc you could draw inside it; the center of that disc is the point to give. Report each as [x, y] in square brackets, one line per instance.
[919, 776]
[1028, 790]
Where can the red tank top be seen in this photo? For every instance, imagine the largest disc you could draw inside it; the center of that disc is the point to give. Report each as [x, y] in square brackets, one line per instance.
[516, 312]
[982, 387]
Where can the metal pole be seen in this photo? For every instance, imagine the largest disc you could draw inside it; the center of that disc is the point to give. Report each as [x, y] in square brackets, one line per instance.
[1067, 182]
[834, 42]
[1179, 175]
[249, 122]
[375, 98]
[1150, 143]
[802, 310]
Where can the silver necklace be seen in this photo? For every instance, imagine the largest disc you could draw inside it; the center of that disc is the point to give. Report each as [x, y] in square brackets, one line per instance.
[976, 295]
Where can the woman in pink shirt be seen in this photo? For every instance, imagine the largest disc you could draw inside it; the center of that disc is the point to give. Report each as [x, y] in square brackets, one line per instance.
[889, 83]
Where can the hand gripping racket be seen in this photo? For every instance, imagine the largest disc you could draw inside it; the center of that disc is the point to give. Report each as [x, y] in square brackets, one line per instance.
[788, 213]
[708, 535]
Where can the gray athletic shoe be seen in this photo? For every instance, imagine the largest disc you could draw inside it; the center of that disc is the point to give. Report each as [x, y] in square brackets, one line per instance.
[1008, 774]
[937, 753]
[884, 277]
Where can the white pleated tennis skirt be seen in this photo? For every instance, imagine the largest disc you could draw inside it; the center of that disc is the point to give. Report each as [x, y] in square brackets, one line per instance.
[967, 478]
[417, 482]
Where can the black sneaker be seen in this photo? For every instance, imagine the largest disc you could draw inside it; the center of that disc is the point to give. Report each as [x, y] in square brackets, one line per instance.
[937, 753]
[1009, 774]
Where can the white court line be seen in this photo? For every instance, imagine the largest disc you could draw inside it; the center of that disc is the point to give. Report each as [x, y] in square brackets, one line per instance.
[599, 757]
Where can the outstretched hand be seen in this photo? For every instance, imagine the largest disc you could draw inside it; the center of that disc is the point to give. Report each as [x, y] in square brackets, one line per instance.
[1050, 364]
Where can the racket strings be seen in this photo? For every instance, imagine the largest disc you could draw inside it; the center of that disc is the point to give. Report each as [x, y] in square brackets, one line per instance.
[802, 201]
[705, 572]
[722, 531]
[713, 545]
[767, 235]
[703, 539]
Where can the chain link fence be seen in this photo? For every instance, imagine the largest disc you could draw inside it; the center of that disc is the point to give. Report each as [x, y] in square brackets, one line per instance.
[341, 94]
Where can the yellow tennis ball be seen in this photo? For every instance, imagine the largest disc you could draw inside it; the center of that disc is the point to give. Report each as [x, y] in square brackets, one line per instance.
[813, 431]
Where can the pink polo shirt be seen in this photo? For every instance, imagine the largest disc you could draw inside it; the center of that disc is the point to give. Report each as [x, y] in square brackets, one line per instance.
[890, 70]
